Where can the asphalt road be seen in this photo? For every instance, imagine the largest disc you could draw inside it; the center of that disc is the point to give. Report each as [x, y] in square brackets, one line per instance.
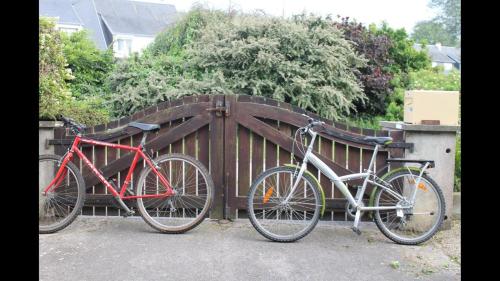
[115, 248]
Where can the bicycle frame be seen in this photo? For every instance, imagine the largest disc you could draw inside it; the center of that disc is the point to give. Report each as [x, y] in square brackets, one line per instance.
[339, 181]
[138, 154]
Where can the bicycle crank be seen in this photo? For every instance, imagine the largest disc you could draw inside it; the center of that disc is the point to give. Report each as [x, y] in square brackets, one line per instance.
[123, 206]
[351, 211]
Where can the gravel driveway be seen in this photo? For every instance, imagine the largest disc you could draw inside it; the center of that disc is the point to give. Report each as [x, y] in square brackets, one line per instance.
[115, 248]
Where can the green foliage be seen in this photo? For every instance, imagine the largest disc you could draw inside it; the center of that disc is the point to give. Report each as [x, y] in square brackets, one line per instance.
[89, 65]
[55, 76]
[435, 79]
[185, 31]
[53, 72]
[364, 121]
[304, 61]
[375, 77]
[405, 57]
[445, 28]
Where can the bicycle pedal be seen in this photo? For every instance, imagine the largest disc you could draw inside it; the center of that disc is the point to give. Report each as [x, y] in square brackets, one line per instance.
[128, 214]
[356, 230]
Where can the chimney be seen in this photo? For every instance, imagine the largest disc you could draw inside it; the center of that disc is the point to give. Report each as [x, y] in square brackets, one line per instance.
[438, 46]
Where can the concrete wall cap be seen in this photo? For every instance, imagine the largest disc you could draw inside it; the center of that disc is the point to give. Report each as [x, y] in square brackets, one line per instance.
[50, 124]
[398, 125]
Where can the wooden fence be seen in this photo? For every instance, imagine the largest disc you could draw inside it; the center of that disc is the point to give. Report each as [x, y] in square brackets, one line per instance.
[236, 137]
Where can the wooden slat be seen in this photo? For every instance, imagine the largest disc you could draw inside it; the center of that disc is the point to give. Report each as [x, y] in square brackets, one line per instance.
[257, 156]
[326, 151]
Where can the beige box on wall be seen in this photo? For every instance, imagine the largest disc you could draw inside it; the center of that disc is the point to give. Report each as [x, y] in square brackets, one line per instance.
[431, 105]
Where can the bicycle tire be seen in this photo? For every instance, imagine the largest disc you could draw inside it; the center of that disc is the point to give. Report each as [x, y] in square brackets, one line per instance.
[427, 235]
[274, 236]
[199, 217]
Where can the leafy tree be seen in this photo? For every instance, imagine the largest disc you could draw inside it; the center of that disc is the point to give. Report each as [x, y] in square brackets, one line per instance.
[445, 28]
[404, 56]
[53, 72]
[375, 76]
[435, 79]
[55, 96]
[450, 16]
[90, 65]
[432, 32]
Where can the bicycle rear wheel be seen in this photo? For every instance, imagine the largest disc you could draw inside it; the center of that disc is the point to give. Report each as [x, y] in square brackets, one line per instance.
[63, 202]
[188, 207]
[277, 219]
[418, 224]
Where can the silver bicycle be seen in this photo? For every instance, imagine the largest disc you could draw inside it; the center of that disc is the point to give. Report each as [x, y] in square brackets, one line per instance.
[285, 203]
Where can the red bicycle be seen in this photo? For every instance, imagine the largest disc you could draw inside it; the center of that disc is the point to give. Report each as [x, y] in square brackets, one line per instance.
[173, 193]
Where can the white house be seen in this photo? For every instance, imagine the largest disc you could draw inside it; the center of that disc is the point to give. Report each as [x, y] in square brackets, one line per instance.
[127, 26]
[448, 57]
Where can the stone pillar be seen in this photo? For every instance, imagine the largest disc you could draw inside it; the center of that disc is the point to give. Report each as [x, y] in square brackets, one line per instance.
[45, 133]
[433, 142]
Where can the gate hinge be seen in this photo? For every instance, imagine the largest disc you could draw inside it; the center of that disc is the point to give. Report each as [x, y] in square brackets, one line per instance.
[220, 108]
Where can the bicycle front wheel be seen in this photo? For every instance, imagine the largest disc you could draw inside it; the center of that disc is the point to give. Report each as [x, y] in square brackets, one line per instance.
[414, 225]
[275, 217]
[64, 200]
[193, 198]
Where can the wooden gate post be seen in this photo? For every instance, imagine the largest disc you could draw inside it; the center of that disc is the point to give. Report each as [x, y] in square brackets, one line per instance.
[217, 156]
[230, 138]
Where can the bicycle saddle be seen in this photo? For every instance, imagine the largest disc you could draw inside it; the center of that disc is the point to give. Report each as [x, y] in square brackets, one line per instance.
[144, 126]
[379, 140]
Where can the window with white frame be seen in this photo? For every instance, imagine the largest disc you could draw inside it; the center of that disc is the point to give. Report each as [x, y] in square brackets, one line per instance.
[123, 47]
[68, 28]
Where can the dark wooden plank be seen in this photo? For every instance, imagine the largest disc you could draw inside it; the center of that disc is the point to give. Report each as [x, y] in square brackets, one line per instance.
[257, 156]
[99, 162]
[340, 157]
[203, 146]
[230, 157]
[177, 145]
[354, 163]
[326, 151]
[216, 158]
[243, 160]
[190, 145]
[271, 149]
[122, 173]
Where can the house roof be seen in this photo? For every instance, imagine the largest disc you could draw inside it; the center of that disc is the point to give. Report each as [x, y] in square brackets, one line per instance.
[136, 18]
[105, 18]
[61, 9]
[442, 54]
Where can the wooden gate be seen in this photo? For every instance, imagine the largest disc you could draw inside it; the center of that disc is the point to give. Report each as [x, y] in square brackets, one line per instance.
[236, 137]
